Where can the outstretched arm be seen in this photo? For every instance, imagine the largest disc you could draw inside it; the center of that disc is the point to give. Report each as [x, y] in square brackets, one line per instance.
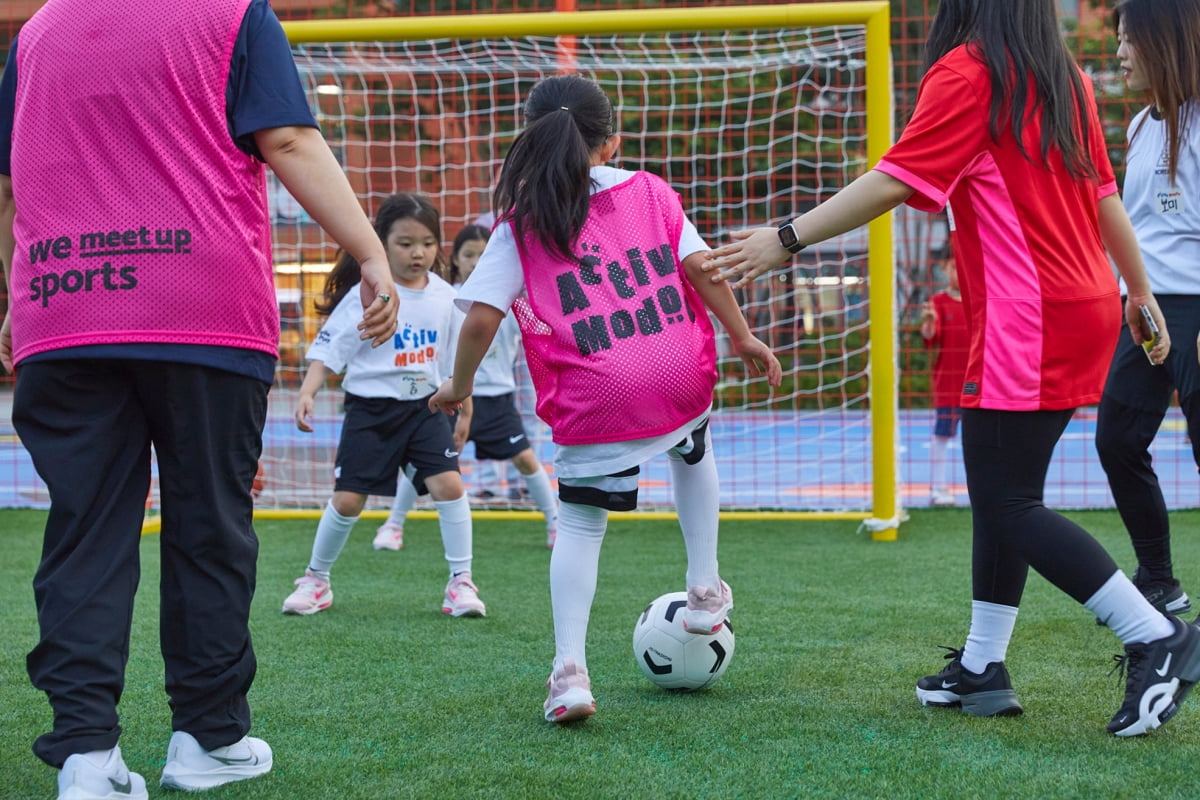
[756, 251]
[305, 165]
[474, 339]
[757, 357]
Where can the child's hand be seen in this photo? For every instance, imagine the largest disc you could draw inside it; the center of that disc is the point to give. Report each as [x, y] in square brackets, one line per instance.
[446, 399]
[304, 413]
[462, 429]
[759, 360]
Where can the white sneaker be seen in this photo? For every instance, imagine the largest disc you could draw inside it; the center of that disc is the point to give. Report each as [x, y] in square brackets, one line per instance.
[570, 694]
[462, 598]
[707, 609]
[192, 768]
[313, 593]
[99, 775]
[942, 498]
[389, 536]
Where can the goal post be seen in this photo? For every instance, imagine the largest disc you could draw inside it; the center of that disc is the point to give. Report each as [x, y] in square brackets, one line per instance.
[463, 78]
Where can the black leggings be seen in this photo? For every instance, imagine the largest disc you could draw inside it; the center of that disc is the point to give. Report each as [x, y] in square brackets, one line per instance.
[1007, 454]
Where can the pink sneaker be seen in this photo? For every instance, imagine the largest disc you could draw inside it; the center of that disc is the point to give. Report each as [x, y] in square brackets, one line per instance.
[570, 697]
[312, 594]
[462, 598]
[707, 609]
[389, 536]
[551, 535]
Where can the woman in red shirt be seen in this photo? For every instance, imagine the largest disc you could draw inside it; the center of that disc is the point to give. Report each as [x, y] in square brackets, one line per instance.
[1006, 132]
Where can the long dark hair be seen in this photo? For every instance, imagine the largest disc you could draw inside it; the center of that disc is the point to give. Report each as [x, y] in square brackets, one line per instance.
[1027, 60]
[346, 272]
[469, 233]
[545, 185]
[1166, 36]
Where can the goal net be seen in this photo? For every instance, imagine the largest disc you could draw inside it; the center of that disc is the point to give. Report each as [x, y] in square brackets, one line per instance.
[749, 121]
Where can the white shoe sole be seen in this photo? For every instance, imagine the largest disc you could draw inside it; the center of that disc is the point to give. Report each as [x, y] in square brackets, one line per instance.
[189, 781]
[572, 705]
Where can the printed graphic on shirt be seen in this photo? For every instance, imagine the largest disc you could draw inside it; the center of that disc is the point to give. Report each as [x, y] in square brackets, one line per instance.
[106, 247]
[632, 278]
[414, 345]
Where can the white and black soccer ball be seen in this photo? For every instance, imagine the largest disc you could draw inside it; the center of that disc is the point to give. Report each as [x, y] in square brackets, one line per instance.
[673, 658]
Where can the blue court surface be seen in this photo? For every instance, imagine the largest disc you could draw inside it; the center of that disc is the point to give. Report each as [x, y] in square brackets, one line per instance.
[767, 460]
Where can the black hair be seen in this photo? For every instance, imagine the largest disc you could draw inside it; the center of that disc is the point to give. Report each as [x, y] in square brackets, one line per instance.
[469, 233]
[347, 273]
[1166, 36]
[545, 185]
[1030, 68]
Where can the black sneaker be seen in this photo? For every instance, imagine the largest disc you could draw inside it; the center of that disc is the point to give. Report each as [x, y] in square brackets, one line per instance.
[989, 694]
[1158, 676]
[1167, 596]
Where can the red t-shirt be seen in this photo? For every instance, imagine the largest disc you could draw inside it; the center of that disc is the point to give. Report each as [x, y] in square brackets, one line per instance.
[1037, 284]
[951, 340]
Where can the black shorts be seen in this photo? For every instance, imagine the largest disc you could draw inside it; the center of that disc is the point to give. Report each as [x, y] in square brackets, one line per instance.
[380, 435]
[496, 428]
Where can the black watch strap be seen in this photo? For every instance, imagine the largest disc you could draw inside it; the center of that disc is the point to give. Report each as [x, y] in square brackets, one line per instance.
[788, 238]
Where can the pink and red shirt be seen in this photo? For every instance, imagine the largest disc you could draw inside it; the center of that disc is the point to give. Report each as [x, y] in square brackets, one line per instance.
[1042, 298]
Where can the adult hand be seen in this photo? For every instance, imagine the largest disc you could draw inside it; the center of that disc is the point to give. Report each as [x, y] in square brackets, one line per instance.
[446, 399]
[379, 306]
[752, 253]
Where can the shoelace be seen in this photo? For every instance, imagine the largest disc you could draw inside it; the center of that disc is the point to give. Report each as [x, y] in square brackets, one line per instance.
[1129, 666]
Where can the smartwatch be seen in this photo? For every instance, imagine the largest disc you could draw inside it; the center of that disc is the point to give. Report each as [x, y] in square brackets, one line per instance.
[788, 238]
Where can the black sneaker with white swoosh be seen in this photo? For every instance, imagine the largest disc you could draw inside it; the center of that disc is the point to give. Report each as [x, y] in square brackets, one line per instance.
[988, 694]
[1158, 676]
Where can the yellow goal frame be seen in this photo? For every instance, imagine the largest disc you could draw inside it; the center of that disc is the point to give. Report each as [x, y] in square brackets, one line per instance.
[886, 513]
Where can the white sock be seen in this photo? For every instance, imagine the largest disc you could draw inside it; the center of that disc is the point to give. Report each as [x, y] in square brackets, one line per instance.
[542, 492]
[939, 467]
[991, 630]
[1127, 612]
[332, 532]
[454, 519]
[402, 503]
[574, 564]
[696, 490]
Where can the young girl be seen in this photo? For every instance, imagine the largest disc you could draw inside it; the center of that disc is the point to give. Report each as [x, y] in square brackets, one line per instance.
[944, 329]
[496, 427]
[1162, 194]
[1006, 131]
[619, 345]
[387, 425]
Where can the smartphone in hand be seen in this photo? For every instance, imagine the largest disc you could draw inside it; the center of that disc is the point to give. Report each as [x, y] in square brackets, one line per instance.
[1149, 332]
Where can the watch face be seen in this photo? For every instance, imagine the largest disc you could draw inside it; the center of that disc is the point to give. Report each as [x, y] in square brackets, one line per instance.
[787, 237]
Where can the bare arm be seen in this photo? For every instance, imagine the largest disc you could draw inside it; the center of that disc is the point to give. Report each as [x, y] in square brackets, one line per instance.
[758, 358]
[756, 251]
[474, 339]
[1117, 233]
[304, 164]
[314, 379]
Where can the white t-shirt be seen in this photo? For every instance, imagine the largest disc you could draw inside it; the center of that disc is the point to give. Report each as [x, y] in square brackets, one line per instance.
[498, 281]
[495, 374]
[417, 359]
[1165, 218]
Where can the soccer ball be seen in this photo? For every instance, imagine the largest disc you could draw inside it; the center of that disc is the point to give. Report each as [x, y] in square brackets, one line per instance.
[673, 658]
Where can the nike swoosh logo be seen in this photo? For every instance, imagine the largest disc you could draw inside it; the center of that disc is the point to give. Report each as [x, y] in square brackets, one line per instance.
[515, 439]
[949, 685]
[1166, 665]
[251, 759]
[451, 453]
[123, 788]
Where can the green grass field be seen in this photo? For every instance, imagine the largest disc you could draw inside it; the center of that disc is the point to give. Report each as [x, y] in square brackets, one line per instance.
[383, 696]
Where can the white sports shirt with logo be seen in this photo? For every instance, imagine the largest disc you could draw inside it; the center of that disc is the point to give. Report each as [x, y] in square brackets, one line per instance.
[413, 363]
[1166, 217]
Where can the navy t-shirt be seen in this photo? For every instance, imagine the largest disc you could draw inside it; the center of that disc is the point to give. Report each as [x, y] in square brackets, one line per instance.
[264, 91]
